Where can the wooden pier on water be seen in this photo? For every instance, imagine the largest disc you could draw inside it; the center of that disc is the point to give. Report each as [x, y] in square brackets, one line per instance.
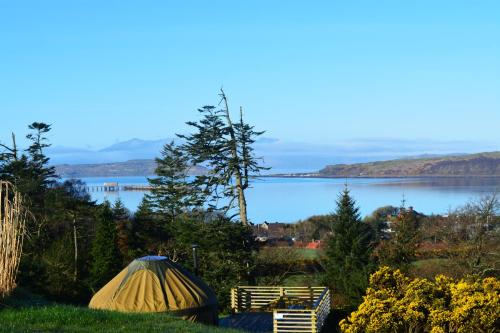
[115, 187]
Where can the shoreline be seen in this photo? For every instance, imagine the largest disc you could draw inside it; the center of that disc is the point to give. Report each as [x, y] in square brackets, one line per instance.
[307, 175]
[316, 175]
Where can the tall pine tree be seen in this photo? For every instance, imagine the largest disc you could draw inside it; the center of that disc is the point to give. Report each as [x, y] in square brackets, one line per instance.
[121, 216]
[106, 256]
[226, 149]
[148, 232]
[348, 262]
[45, 174]
[171, 194]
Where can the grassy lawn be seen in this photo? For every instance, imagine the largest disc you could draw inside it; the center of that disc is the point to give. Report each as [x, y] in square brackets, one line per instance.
[308, 254]
[429, 268]
[429, 262]
[39, 317]
[305, 278]
[301, 280]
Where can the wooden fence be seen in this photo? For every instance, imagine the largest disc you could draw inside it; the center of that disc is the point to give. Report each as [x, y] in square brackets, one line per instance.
[256, 298]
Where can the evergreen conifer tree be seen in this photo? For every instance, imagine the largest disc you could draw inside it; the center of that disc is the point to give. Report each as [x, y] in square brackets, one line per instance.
[226, 149]
[171, 193]
[349, 251]
[121, 216]
[147, 231]
[120, 212]
[106, 257]
[400, 250]
[44, 174]
[30, 172]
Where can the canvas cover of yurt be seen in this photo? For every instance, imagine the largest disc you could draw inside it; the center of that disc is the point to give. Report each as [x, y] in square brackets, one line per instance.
[157, 284]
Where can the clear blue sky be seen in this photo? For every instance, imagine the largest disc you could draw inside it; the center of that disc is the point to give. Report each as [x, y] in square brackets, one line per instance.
[102, 71]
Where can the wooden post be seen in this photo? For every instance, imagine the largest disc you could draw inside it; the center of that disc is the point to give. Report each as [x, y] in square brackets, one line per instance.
[75, 240]
[275, 322]
[248, 300]
[313, 321]
[234, 300]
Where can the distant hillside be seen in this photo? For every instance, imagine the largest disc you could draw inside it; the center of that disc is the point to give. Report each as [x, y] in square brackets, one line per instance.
[482, 164]
[128, 168]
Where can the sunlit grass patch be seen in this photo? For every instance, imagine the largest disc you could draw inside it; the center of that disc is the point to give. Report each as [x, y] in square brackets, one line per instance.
[25, 315]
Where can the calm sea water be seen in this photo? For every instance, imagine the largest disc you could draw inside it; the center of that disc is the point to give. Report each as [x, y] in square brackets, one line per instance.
[292, 199]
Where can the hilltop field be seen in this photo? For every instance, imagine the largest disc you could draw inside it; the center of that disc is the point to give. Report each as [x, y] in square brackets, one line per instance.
[482, 164]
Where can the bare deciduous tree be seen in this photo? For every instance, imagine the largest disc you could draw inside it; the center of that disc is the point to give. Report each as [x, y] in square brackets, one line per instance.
[275, 264]
[473, 235]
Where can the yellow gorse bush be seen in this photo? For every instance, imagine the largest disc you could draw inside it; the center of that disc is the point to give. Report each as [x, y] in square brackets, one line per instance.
[396, 303]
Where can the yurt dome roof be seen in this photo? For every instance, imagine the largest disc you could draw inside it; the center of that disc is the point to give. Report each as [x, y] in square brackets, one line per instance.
[157, 284]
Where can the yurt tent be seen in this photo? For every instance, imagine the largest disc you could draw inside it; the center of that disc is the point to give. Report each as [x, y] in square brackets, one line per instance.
[157, 284]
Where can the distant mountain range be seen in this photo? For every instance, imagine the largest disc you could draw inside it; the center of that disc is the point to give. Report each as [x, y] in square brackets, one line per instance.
[482, 164]
[281, 155]
[134, 149]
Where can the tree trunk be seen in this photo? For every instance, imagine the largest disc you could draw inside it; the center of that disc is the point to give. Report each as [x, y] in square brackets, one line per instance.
[14, 146]
[75, 274]
[242, 203]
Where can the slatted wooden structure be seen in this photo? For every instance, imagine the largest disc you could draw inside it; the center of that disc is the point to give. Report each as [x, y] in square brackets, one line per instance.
[256, 298]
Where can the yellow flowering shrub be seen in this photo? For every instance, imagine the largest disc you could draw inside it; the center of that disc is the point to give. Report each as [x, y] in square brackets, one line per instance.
[396, 303]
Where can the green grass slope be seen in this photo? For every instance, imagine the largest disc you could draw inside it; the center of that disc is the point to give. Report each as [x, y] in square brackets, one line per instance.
[20, 314]
[482, 164]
